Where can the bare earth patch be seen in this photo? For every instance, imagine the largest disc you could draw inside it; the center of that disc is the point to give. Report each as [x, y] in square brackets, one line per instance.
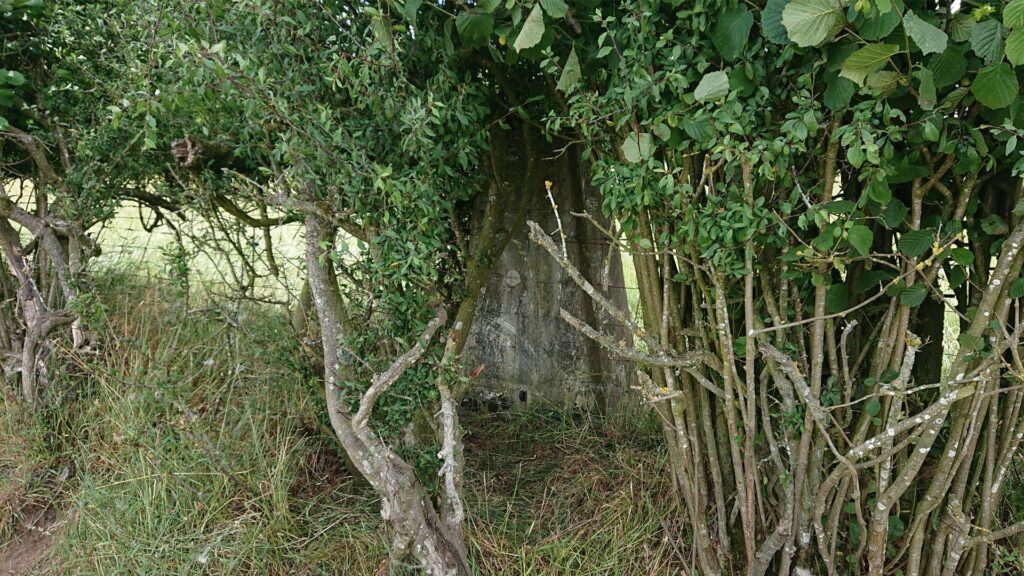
[27, 552]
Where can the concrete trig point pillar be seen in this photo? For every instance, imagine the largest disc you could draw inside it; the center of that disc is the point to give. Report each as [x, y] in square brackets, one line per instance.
[531, 355]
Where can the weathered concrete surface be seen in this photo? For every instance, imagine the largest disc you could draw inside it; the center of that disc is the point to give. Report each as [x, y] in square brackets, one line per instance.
[530, 354]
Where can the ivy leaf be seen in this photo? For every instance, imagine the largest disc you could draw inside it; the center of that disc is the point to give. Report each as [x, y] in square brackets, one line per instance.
[948, 68]
[1015, 47]
[913, 295]
[916, 242]
[995, 86]
[812, 22]
[987, 40]
[927, 37]
[712, 86]
[637, 147]
[1013, 14]
[731, 32]
[474, 26]
[861, 239]
[555, 8]
[533, 30]
[771, 22]
[866, 60]
[571, 72]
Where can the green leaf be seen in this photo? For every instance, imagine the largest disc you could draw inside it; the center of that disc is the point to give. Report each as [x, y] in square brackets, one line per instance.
[861, 239]
[812, 22]
[838, 92]
[571, 72]
[948, 68]
[916, 242]
[873, 407]
[836, 298]
[15, 78]
[1013, 14]
[866, 60]
[993, 225]
[876, 26]
[913, 295]
[987, 40]
[962, 27]
[731, 32]
[712, 86]
[532, 31]
[996, 86]
[771, 22]
[926, 88]
[637, 147]
[927, 37]
[1015, 47]
[410, 8]
[962, 256]
[1017, 288]
[555, 8]
[971, 342]
[474, 26]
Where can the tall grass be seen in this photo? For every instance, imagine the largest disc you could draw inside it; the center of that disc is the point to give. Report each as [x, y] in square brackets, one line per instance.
[193, 441]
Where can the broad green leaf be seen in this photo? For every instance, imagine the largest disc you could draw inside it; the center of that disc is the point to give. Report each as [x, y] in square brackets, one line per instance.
[637, 147]
[712, 86]
[882, 82]
[771, 22]
[866, 60]
[488, 6]
[925, 89]
[948, 68]
[837, 298]
[927, 37]
[913, 295]
[1015, 47]
[532, 31]
[962, 27]
[996, 86]
[972, 342]
[812, 22]
[474, 26]
[15, 78]
[1017, 288]
[916, 242]
[555, 8]
[861, 239]
[993, 225]
[873, 407]
[987, 40]
[876, 26]
[838, 92]
[962, 256]
[571, 72]
[731, 31]
[410, 8]
[1013, 14]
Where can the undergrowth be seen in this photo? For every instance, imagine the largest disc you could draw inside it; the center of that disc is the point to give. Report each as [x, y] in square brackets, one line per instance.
[193, 441]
